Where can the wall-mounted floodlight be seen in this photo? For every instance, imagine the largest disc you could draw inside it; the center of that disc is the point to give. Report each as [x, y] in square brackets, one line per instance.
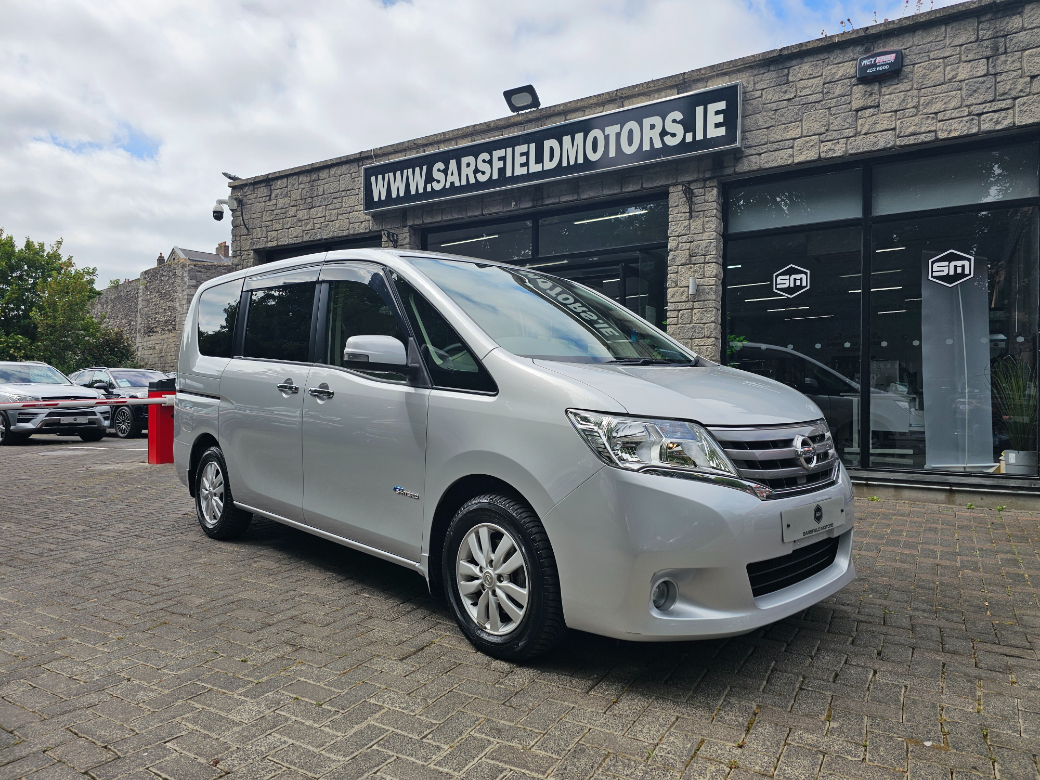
[521, 99]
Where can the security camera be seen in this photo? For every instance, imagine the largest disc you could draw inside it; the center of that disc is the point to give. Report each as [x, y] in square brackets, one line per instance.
[218, 207]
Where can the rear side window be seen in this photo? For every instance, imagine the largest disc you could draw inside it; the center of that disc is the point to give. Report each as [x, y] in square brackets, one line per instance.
[447, 358]
[218, 312]
[278, 325]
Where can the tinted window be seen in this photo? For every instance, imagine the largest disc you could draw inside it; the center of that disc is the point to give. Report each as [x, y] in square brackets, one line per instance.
[449, 361]
[503, 241]
[218, 310]
[278, 325]
[360, 309]
[616, 226]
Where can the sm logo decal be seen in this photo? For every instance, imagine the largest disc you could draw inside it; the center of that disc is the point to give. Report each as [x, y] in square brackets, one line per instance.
[790, 281]
[951, 268]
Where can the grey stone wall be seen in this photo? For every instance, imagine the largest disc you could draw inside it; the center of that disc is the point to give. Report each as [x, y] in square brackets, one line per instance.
[970, 70]
[151, 310]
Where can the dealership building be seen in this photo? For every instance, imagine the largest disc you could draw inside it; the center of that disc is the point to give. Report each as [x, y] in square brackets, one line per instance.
[856, 217]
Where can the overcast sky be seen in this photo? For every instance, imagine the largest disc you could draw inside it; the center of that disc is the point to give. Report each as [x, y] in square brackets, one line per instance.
[117, 116]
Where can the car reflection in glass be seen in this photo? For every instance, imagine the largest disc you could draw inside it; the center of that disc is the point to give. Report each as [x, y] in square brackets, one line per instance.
[893, 411]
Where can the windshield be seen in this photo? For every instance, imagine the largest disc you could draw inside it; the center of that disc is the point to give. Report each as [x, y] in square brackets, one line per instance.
[31, 374]
[139, 378]
[537, 316]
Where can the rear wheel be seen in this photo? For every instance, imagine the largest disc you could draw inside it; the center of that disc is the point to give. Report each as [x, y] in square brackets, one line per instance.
[93, 435]
[501, 580]
[214, 506]
[124, 424]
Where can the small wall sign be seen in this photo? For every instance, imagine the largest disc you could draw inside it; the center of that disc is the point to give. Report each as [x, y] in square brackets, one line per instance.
[879, 65]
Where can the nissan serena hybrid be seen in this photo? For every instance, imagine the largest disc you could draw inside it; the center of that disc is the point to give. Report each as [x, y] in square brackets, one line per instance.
[542, 456]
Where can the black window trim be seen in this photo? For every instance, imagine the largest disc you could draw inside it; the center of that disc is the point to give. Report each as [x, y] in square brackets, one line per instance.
[536, 215]
[389, 275]
[320, 324]
[243, 319]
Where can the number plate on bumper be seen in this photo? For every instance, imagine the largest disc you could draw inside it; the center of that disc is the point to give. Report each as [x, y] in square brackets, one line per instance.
[813, 519]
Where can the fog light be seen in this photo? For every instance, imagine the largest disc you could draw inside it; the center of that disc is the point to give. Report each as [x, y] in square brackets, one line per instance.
[663, 595]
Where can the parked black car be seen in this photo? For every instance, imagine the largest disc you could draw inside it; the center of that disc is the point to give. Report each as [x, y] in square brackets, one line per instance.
[126, 421]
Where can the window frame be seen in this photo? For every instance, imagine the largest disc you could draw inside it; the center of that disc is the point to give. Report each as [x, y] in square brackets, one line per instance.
[866, 222]
[298, 275]
[653, 196]
[320, 329]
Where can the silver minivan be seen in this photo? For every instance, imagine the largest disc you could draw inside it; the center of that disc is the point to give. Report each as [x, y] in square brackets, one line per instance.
[541, 455]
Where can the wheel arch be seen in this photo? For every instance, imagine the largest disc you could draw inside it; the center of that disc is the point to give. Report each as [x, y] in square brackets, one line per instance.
[457, 494]
[199, 446]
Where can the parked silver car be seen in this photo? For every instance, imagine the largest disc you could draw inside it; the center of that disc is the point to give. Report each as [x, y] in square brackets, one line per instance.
[21, 382]
[541, 455]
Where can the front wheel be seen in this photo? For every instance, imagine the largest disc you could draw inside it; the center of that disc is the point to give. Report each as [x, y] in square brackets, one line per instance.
[501, 579]
[214, 505]
[124, 424]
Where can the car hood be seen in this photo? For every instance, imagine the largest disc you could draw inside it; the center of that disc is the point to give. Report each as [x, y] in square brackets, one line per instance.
[712, 395]
[46, 392]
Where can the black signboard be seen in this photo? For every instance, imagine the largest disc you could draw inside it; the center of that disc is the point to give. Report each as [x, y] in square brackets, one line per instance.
[694, 123]
[879, 65]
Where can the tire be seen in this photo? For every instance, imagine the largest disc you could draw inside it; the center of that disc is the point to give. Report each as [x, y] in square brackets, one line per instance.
[214, 506]
[124, 423]
[93, 436]
[491, 612]
[5, 431]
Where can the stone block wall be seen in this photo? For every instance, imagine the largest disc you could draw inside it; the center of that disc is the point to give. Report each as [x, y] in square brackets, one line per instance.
[151, 310]
[969, 71]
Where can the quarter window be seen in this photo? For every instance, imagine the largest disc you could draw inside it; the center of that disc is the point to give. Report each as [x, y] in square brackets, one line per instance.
[278, 324]
[448, 359]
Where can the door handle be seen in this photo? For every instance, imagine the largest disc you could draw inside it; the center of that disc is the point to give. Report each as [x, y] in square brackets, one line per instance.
[288, 386]
[321, 391]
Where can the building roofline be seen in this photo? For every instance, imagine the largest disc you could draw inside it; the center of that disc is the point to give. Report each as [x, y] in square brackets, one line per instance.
[517, 123]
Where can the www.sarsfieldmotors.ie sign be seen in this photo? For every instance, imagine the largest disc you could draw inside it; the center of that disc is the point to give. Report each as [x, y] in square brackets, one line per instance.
[694, 123]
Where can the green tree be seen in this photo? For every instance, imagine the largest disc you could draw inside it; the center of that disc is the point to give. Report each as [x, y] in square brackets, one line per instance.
[67, 336]
[21, 271]
[45, 310]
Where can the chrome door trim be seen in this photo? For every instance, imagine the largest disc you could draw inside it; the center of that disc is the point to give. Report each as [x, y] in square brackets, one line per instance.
[408, 564]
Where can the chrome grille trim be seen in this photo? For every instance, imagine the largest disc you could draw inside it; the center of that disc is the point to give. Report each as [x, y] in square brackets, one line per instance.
[769, 455]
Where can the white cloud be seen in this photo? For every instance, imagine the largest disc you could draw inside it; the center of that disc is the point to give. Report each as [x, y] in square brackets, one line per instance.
[119, 116]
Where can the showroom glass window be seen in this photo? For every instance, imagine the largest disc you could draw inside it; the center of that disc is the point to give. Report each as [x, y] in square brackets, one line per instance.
[619, 250]
[929, 338]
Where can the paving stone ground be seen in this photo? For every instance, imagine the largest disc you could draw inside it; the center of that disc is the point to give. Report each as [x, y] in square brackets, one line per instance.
[131, 646]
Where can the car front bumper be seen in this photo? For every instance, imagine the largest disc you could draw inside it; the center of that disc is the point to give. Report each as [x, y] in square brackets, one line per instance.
[60, 421]
[620, 532]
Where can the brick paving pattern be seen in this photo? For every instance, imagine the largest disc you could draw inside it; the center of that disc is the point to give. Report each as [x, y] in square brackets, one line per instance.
[131, 646]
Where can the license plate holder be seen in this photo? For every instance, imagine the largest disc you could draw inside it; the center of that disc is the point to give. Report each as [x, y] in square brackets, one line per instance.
[77, 420]
[812, 520]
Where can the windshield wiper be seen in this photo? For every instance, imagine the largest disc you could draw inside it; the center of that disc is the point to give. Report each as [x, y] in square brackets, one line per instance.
[648, 362]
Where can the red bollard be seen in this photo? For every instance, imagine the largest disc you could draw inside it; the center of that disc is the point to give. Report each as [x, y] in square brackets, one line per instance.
[160, 424]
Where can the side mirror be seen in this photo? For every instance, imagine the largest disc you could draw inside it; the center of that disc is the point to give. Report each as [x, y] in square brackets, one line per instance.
[375, 351]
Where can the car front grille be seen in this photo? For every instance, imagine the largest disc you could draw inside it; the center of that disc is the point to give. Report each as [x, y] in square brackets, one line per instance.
[777, 573]
[770, 456]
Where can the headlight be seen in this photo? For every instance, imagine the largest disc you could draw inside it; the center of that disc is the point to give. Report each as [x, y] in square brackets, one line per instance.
[635, 443]
[17, 399]
[661, 447]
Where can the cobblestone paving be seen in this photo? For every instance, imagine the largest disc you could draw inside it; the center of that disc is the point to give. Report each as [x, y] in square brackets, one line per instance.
[132, 646]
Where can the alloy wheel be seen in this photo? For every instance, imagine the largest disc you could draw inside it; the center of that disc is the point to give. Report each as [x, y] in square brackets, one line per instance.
[211, 494]
[492, 578]
[124, 421]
